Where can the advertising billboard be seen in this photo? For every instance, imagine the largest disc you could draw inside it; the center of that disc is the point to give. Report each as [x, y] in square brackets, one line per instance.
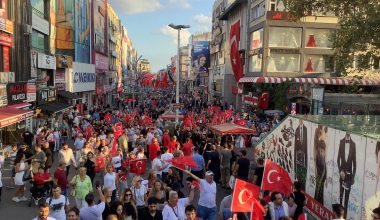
[62, 27]
[201, 59]
[82, 78]
[82, 31]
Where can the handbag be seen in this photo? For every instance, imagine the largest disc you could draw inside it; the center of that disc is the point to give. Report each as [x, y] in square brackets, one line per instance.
[27, 175]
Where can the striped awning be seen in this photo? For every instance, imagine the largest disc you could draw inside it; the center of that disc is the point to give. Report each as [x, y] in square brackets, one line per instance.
[321, 81]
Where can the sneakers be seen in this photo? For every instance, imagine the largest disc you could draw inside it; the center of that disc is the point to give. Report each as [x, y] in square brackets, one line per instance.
[23, 198]
[15, 199]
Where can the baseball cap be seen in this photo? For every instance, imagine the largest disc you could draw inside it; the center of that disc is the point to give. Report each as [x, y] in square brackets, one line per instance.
[209, 173]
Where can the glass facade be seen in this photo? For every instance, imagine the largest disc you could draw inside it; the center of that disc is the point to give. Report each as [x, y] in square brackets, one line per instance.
[82, 31]
[318, 38]
[283, 63]
[39, 41]
[285, 37]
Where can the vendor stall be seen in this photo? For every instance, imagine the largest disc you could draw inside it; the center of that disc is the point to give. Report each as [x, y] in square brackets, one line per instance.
[230, 128]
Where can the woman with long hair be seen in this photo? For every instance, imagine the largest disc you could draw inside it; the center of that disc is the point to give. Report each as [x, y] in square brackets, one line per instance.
[128, 201]
[172, 178]
[110, 180]
[158, 192]
[20, 169]
[117, 209]
[139, 194]
[90, 165]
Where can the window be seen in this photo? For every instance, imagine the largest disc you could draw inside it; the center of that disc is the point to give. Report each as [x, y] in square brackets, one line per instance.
[39, 5]
[38, 41]
[258, 10]
[283, 62]
[318, 64]
[255, 63]
[257, 39]
[277, 5]
[285, 37]
[318, 38]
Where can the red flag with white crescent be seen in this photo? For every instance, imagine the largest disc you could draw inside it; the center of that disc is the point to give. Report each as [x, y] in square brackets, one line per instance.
[244, 196]
[236, 64]
[276, 178]
[137, 166]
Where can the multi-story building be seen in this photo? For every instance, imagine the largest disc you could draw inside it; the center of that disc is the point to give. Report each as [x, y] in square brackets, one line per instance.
[143, 66]
[227, 14]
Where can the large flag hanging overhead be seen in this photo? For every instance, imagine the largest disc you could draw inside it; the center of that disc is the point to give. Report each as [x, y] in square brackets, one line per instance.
[236, 64]
[275, 178]
[245, 195]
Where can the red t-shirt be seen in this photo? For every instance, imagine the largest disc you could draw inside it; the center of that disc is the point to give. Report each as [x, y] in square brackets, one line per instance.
[172, 146]
[60, 175]
[187, 148]
[39, 178]
[165, 139]
[153, 149]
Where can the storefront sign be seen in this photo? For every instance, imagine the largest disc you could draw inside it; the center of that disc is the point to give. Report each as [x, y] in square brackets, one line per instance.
[278, 15]
[6, 40]
[45, 95]
[16, 92]
[9, 26]
[3, 95]
[40, 24]
[83, 77]
[3, 18]
[64, 61]
[33, 64]
[31, 92]
[250, 100]
[6, 59]
[46, 61]
[317, 209]
[101, 62]
[59, 76]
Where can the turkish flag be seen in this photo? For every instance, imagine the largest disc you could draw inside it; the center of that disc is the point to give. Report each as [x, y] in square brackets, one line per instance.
[275, 178]
[241, 122]
[137, 166]
[236, 64]
[89, 130]
[196, 184]
[244, 196]
[182, 162]
[264, 100]
[303, 216]
[258, 211]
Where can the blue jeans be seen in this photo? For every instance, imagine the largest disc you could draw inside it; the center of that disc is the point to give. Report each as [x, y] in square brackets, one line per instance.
[206, 213]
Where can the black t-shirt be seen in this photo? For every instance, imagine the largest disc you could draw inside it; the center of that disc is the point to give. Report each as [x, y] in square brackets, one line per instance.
[299, 199]
[215, 160]
[243, 171]
[259, 171]
[90, 166]
[28, 137]
[147, 216]
[49, 157]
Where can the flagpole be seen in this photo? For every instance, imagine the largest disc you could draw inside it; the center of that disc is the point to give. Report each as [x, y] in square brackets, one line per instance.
[253, 206]
[262, 179]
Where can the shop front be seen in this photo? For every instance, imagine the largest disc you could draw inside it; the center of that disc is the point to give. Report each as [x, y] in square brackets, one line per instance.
[81, 81]
[102, 81]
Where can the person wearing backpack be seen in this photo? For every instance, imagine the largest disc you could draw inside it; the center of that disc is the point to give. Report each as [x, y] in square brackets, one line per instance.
[58, 204]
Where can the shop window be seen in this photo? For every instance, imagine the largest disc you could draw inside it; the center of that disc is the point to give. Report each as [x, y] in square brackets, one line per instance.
[285, 37]
[318, 64]
[318, 38]
[257, 39]
[283, 63]
[255, 63]
[38, 41]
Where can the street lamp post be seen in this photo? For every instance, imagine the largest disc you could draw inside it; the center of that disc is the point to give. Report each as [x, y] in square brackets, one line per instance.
[134, 87]
[178, 28]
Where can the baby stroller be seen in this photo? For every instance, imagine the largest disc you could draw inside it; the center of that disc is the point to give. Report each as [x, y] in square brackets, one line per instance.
[39, 192]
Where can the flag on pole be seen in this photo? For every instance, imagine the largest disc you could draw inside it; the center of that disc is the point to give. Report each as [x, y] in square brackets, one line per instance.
[275, 178]
[137, 166]
[182, 162]
[258, 211]
[244, 196]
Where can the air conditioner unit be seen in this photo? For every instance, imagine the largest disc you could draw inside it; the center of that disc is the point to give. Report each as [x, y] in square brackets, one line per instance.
[27, 29]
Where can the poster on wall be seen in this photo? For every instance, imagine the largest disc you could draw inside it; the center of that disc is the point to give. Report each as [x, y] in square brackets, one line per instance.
[349, 158]
[371, 189]
[321, 163]
[279, 146]
[33, 63]
[201, 59]
[82, 31]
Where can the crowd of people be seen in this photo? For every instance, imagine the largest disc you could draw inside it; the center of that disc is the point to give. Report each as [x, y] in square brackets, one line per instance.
[87, 157]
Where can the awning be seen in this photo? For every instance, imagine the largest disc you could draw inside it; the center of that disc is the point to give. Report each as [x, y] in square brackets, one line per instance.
[20, 105]
[230, 128]
[68, 95]
[320, 81]
[55, 107]
[9, 115]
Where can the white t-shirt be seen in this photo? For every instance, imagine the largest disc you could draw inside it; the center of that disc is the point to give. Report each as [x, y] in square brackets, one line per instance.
[165, 157]
[92, 213]
[149, 138]
[156, 165]
[110, 180]
[178, 212]
[57, 207]
[139, 194]
[207, 196]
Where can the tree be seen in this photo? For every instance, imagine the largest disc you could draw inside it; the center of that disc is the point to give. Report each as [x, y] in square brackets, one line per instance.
[357, 41]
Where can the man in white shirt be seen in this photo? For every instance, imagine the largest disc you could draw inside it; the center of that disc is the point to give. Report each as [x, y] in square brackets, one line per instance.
[67, 155]
[149, 137]
[158, 165]
[165, 157]
[175, 209]
[93, 212]
[207, 196]
[58, 204]
[43, 212]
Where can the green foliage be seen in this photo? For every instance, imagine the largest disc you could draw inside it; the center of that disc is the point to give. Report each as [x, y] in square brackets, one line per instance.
[359, 22]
